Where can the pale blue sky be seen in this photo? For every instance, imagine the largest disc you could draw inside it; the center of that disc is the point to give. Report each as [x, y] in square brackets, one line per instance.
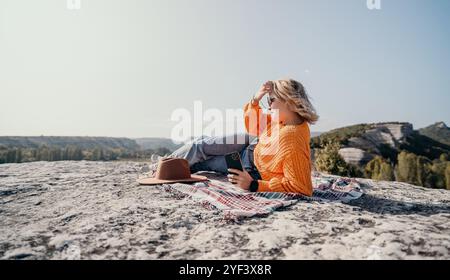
[120, 67]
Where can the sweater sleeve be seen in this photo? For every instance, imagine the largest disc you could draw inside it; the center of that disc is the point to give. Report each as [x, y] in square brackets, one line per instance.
[296, 175]
[255, 119]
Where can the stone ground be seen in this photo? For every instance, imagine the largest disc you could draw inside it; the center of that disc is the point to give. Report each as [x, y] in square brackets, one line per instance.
[96, 210]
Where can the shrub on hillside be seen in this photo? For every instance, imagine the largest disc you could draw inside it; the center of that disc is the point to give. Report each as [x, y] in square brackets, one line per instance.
[379, 169]
[329, 161]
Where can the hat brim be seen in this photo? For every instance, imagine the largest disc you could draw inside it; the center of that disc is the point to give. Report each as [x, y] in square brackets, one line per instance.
[154, 181]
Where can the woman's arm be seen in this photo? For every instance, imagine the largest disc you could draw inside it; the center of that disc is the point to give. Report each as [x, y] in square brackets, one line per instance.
[254, 118]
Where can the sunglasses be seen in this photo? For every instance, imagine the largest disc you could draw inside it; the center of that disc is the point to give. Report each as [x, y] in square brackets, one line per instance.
[270, 100]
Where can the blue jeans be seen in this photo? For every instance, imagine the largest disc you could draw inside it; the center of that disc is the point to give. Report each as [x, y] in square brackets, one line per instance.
[207, 153]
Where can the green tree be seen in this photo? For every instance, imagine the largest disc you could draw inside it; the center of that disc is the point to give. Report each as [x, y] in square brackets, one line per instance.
[33, 155]
[387, 172]
[407, 168]
[162, 151]
[379, 169]
[74, 153]
[2, 156]
[43, 153]
[79, 154]
[98, 154]
[438, 175]
[111, 154]
[419, 170]
[11, 156]
[18, 156]
[55, 154]
[447, 176]
[65, 153]
[425, 174]
[328, 160]
[372, 168]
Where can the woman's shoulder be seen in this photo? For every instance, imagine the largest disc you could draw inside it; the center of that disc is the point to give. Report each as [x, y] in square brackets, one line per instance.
[294, 130]
[294, 135]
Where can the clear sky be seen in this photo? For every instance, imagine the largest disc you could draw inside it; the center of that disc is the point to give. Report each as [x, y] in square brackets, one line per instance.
[120, 67]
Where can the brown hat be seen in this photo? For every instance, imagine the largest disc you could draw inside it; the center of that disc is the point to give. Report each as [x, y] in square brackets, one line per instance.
[172, 170]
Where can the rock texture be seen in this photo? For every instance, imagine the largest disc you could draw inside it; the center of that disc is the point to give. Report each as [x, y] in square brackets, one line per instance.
[355, 156]
[398, 130]
[438, 131]
[360, 150]
[95, 210]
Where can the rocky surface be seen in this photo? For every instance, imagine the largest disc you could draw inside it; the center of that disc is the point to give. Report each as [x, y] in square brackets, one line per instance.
[355, 156]
[438, 131]
[96, 210]
[360, 150]
[398, 130]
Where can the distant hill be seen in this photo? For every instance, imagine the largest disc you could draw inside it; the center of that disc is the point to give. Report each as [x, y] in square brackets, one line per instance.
[362, 142]
[156, 143]
[17, 149]
[63, 141]
[386, 151]
[439, 132]
[84, 142]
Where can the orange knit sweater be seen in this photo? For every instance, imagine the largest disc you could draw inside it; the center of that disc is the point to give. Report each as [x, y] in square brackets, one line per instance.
[284, 161]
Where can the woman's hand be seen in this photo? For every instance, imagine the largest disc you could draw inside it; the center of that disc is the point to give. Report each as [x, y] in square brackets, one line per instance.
[242, 179]
[266, 88]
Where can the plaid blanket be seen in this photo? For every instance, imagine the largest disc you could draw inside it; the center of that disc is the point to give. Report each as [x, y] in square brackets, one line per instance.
[235, 203]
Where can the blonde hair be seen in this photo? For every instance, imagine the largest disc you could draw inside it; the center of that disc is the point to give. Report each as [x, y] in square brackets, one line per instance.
[294, 94]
